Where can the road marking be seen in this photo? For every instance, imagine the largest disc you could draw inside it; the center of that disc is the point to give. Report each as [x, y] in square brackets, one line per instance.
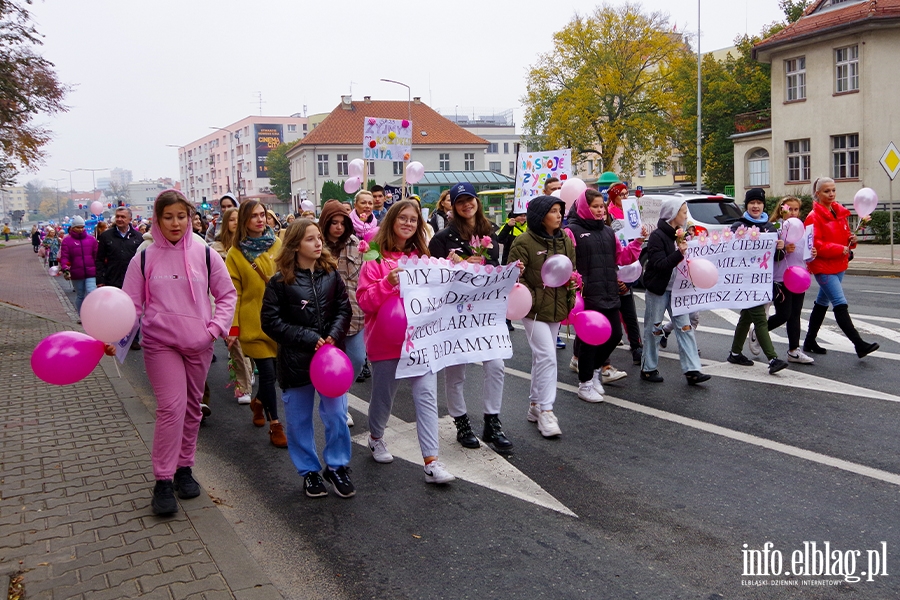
[815, 457]
[880, 292]
[482, 467]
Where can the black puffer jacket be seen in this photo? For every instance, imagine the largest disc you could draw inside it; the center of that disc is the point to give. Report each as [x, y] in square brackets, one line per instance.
[114, 253]
[315, 306]
[595, 261]
[662, 258]
[448, 238]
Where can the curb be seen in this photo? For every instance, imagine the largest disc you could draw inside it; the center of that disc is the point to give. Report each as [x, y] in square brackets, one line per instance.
[873, 271]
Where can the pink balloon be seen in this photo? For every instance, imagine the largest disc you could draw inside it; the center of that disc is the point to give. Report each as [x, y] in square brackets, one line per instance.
[414, 172]
[865, 201]
[571, 189]
[390, 323]
[66, 357]
[352, 185]
[96, 208]
[53, 271]
[796, 279]
[579, 306]
[592, 327]
[792, 230]
[355, 168]
[331, 372]
[108, 314]
[370, 235]
[630, 273]
[703, 273]
[519, 302]
[556, 270]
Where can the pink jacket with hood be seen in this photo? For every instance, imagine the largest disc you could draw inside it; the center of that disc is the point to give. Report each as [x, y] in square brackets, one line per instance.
[171, 297]
[372, 291]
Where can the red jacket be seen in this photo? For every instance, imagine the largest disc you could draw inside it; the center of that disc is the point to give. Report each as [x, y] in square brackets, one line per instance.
[830, 236]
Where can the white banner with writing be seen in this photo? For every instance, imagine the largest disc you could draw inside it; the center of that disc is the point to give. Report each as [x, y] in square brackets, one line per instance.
[745, 261]
[455, 313]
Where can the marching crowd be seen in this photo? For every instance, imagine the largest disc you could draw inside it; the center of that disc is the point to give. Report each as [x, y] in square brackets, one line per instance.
[278, 292]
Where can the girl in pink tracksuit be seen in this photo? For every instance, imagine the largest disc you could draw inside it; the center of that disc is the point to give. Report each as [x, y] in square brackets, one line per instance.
[169, 284]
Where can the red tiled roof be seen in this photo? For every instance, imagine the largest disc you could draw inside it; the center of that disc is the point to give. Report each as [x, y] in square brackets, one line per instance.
[814, 23]
[345, 126]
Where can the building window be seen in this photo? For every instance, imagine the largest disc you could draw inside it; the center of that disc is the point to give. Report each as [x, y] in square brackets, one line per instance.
[512, 168]
[292, 128]
[589, 165]
[505, 147]
[494, 166]
[444, 162]
[659, 169]
[795, 78]
[758, 168]
[343, 165]
[304, 128]
[371, 167]
[492, 148]
[845, 156]
[322, 161]
[398, 167]
[798, 160]
[469, 161]
[642, 170]
[846, 69]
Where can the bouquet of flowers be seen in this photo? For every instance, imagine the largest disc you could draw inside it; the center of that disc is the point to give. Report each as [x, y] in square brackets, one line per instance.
[370, 251]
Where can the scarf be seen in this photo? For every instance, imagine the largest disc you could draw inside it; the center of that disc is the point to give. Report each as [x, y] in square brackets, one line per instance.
[763, 218]
[363, 227]
[251, 248]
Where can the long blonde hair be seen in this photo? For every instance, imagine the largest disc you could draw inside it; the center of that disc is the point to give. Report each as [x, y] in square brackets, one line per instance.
[225, 237]
[286, 261]
[776, 214]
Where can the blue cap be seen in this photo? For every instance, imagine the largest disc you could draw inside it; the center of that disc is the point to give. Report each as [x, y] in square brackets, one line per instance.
[461, 190]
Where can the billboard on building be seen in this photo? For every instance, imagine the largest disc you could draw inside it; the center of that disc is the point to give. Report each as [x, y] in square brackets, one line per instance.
[267, 138]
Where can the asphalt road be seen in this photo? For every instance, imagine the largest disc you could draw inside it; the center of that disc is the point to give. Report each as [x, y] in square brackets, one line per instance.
[668, 482]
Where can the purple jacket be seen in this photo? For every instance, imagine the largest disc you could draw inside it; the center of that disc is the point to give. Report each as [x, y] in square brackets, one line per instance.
[78, 254]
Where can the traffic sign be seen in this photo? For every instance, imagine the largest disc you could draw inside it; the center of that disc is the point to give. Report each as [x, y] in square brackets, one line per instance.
[891, 161]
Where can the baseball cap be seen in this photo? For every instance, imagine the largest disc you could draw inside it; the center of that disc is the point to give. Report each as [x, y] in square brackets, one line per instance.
[461, 190]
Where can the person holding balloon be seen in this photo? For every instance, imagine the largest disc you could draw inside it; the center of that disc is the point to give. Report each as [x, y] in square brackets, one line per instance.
[305, 308]
[833, 241]
[787, 299]
[251, 263]
[546, 256]
[402, 234]
[364, 222]
[664, 253]
[597, 256]
[169, 287]
[468, 224]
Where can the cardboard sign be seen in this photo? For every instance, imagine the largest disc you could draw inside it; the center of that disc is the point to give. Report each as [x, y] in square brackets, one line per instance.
[631, 224]
[455, 313]
[387, 139]
[808, 244]
[535, 168]
[649, 208]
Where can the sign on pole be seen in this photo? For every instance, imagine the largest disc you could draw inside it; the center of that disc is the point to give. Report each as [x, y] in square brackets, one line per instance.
[890, 160]
[387, 139]
[535, 168]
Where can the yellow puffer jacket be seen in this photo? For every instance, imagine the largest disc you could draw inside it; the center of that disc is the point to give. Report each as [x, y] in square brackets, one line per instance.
[250, 289]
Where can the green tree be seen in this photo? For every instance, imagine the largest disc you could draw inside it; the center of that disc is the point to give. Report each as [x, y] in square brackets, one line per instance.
[331, 190]
[28, 88]
[280, 170]
[793, 9]
[605, 89]
[33, 193]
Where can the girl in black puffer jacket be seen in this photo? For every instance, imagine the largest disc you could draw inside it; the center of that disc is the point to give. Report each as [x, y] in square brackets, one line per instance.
[305, 307]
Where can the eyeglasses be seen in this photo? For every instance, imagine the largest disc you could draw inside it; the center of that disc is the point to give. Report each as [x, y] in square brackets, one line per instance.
[408, 220]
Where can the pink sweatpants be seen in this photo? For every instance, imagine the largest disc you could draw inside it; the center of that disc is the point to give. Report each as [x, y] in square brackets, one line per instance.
[177, 381]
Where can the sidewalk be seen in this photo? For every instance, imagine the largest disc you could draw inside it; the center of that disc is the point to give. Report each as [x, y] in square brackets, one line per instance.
[76, 479]
[874, 260]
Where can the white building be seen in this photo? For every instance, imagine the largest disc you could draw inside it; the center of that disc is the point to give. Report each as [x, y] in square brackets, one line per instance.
[141, 196]
[12, 198]
[499, 129]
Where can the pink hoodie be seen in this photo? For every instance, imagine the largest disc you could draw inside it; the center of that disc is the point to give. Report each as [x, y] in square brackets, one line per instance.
[372, 291]
[172, 299]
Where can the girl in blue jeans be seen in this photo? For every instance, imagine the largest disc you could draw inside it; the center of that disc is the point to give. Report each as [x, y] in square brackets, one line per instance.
[306, 306]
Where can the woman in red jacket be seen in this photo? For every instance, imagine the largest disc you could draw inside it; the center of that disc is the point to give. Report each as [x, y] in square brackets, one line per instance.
[833, 241]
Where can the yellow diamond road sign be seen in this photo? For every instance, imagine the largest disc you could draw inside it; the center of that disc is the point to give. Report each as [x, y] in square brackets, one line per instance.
[891, 160]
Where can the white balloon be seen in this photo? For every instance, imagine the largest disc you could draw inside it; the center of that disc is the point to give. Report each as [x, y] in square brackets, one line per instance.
[630, 273]
[570, 190]
[307, 205]
[355, 168]
[414, 172]
[108, 314]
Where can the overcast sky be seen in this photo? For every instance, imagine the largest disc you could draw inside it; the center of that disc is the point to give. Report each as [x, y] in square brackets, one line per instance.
[147, 73]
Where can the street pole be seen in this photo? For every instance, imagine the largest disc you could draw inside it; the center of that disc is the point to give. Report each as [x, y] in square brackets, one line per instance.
[56, 181]
[94, 176]
[891, 216]
[699, 108]
[409, 116]
[70, 171]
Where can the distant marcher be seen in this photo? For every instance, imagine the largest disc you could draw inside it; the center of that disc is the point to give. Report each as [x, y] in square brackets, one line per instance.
[35, 238]
[116, 247]
[100, 228]
[379, 210]
[440, 218]
[51, 243]
[363, 220]
[78, 257]
[6, 231]
[227, 201]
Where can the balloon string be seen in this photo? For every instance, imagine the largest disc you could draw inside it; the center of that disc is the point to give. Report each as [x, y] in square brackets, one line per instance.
[116, 364]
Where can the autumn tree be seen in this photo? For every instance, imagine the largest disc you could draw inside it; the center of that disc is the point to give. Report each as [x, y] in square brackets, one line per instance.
[28, 88]
[605, 90]
[793, 9]
[118, 194]
[279, 170]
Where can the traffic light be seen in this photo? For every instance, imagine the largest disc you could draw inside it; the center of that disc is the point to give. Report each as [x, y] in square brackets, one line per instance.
[205, 206]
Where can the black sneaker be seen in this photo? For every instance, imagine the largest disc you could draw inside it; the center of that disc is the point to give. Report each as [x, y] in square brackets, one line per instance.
[637, 355]
[185, 484]
[493, 434]
[775, 365]
[865, 348]
[340, 479]
[164, 502]
[314, 485]
[739, 359]
[664, 340]
[464, 433]
[364, 374]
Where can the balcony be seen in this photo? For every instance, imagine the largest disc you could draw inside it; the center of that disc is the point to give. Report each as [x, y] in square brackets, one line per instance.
[753, 121]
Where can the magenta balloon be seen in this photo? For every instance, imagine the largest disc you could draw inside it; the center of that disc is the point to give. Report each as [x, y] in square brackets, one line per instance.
[331, 371]
[592, 327]
[579, 307]
[370, 235]
[796, 279]
[390, 323]
[108, 314]
[66, 357]
[865, 202]
[519, 304]
[352, 185]
[630, 273]
[556, 270]
[704, 274]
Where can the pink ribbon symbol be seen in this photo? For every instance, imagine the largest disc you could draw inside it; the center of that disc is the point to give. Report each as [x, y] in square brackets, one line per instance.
[764, 262]
[409, 343]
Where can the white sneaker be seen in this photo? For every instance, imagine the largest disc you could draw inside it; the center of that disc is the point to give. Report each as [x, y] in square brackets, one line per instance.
[350, 422]
[379, 450]
[609, 374]
[548, 425]
[587, 393]
[753, 343]
[245, 399]
[573, 364]
[534, 411]
[205, 410]
[436, 472]
[598, 385]
[797, 356]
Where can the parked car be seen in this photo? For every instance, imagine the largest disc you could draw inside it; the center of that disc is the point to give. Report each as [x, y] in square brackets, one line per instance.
[708, 212]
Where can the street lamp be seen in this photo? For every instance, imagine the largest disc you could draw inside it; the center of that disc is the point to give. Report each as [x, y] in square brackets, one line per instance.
[70, 171]
[230, 157]
[94, 176]
[408, 95]
[56, 181]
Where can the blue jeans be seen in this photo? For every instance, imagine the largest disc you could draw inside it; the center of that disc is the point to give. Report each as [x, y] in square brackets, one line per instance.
[83, 287]
[298, 416]
[830, 290]
[655, 308]
[355, 347]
